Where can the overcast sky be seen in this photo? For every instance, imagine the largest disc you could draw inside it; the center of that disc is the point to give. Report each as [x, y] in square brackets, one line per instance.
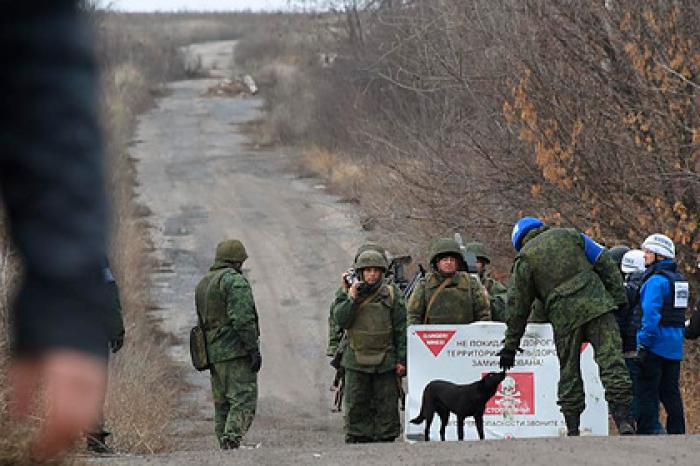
[199, 5]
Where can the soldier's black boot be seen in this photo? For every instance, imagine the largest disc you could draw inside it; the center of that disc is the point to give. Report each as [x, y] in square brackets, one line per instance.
[572, 425]
[230, 444]
[623, 420]
[97, 443]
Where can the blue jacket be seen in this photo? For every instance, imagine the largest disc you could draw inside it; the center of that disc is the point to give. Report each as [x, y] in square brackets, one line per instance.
[663, 341]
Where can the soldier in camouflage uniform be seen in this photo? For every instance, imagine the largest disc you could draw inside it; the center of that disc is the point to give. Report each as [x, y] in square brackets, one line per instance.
[497, 292]
[227, 312]
[580, 287]
[446, 295]
[374, 317]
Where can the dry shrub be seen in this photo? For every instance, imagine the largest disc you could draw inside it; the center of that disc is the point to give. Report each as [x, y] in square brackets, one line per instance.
[342, 174]
[690, 386]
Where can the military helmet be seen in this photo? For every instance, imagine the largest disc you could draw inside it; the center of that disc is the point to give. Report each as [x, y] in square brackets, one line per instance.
[478, 250]
[370, 246]
[616, 252]
[443, 247]
[370, 258]
[231, 250]
[521, 228]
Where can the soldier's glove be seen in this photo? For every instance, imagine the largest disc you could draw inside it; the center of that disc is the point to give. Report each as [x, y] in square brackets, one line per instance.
[255, 360]
[507, 360]
[116, 343]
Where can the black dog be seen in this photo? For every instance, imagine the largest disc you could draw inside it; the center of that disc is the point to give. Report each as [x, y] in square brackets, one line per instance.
[463, 400]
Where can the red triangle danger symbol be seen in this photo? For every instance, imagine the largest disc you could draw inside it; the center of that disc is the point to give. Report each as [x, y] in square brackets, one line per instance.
[435, 340]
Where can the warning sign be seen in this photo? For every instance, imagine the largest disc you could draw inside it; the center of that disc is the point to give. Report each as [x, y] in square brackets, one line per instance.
[525, 404]
[435, 341]
[515, 395]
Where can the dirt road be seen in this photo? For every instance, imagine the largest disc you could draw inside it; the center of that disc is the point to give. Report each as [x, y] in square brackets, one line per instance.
[203, 183]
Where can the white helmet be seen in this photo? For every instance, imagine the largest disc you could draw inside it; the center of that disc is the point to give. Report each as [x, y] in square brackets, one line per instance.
[661, 245]
[633, 261]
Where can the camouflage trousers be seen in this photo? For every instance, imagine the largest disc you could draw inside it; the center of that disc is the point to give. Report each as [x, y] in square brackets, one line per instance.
[604, 335]
[234, 387]
[371, 407]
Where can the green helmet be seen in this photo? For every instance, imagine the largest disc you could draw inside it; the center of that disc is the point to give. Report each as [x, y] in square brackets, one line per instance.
[370, 246]
[444, 246]
[616, 252]
[231, 250]
[370, 258]
[478, 250]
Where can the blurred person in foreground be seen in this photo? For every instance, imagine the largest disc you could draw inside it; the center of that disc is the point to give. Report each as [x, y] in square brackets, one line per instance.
[51, 181]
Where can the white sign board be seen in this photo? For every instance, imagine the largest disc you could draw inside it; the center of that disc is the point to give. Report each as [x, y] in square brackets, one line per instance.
[525, 404]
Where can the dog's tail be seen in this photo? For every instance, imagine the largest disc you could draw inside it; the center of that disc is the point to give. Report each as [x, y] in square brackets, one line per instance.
[418, 419]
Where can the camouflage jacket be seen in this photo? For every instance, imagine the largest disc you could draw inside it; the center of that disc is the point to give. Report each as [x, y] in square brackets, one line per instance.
[462, 301]
[226, 309]
[497, 296]
[346, 312]
[552, 266]
[335, 332]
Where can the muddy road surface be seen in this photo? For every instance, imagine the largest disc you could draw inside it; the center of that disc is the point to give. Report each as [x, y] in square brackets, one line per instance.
[203, 183]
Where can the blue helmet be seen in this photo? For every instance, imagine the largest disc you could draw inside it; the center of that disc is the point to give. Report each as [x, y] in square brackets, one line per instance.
[522, 228]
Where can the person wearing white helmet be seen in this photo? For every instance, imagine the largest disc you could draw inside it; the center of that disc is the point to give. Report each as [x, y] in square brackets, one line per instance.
[664, 299]
[629, 317]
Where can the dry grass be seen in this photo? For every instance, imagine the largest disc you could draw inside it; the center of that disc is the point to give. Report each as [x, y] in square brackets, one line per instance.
[340, 172]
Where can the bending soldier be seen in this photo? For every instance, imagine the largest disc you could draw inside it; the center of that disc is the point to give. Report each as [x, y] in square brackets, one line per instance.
[580, 287]
[446, 295]
[374, 317]
[497, 292]
[227, 312]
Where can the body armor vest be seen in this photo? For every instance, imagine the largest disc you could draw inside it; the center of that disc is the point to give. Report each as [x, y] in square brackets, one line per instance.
[370, 336]
[454, 304]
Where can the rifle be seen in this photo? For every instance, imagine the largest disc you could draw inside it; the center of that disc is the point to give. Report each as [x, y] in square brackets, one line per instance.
[468, 258]
[414, 281]
[338, 385]
[402, 393]
[338, 389]
[397, 271]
